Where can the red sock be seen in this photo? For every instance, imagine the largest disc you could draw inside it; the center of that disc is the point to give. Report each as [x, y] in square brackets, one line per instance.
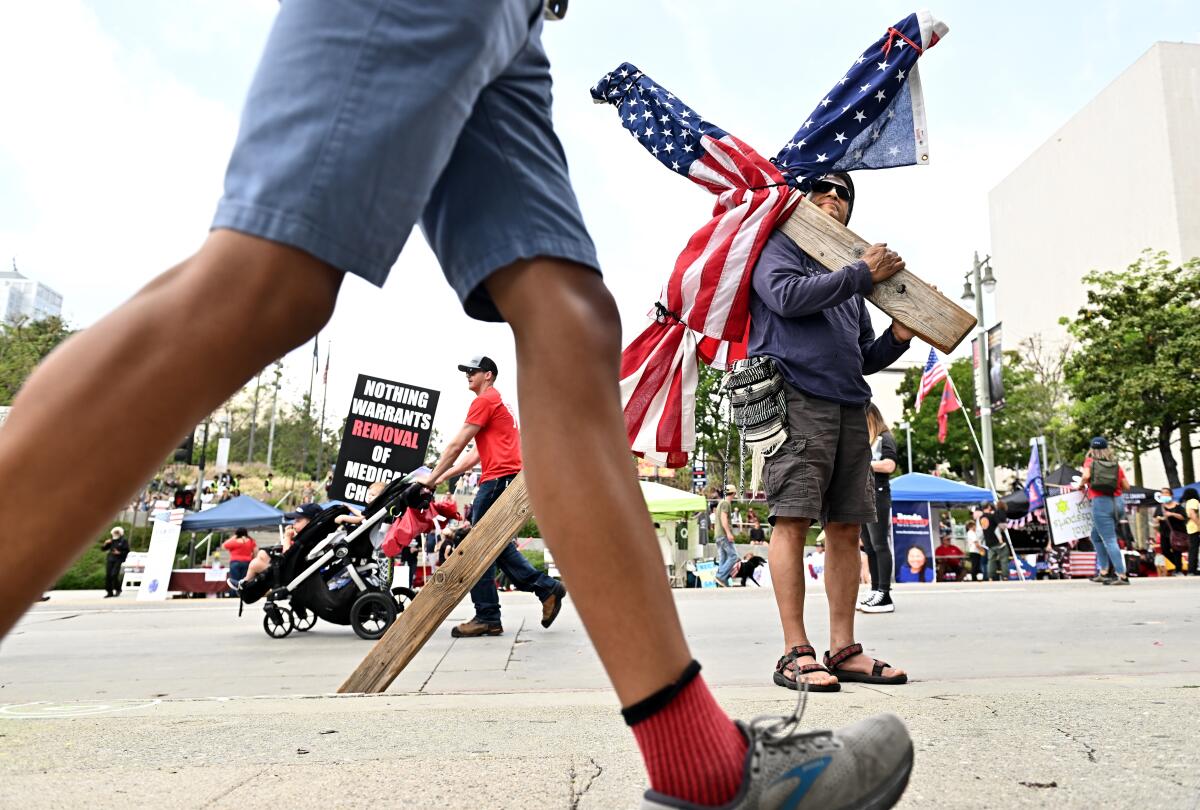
[691, 748]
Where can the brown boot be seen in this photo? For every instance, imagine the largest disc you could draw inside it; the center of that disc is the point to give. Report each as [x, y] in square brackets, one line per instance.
[476, 628]
[553, 605]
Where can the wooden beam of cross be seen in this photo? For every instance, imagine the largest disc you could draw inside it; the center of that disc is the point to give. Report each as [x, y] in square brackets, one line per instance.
[451, 582]
[936, 319]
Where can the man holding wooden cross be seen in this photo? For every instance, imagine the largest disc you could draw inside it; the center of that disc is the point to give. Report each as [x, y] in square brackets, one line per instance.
[363, 119]
[814, 325]
[493, 427]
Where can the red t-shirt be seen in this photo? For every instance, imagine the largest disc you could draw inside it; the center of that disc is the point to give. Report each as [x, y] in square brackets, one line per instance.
[1122, 483]
[498, 441]
[241, 549]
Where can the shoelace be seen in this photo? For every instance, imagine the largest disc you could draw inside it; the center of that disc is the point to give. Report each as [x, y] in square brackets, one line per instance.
[776, 730]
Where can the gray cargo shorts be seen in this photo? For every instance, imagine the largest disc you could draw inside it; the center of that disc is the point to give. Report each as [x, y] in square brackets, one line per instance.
[823, 471]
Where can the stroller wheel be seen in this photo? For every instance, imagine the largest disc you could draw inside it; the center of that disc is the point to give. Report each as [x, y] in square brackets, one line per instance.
[305, 619]
[403, 597]
[278, 621]
[371, 614]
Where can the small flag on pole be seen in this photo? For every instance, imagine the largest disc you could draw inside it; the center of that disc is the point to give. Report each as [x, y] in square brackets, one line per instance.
[949, 405]
[1034, 485]
[935, 372]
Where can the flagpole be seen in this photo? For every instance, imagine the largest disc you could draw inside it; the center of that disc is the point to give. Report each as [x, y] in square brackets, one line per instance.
[324, 396]
[987, 475]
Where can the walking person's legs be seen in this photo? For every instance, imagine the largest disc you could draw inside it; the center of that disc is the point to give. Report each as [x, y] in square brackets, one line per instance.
[484, 594]
[112, 576]
[567, 337]
[1193, 560]
[1105, 526]
[726, 558]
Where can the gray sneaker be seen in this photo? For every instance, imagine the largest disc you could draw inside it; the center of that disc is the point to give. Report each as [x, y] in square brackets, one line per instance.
[864, 765]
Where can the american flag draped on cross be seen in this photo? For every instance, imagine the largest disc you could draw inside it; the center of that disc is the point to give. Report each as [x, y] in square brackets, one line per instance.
[874, 117]
[933, 373]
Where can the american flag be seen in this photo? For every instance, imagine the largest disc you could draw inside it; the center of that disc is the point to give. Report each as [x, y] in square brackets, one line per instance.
[935, 372]
[709, 289]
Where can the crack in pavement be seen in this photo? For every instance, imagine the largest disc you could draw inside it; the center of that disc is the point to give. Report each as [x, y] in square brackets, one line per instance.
[516, 641]
[232, 788]
[1091, 752]
[576, 797]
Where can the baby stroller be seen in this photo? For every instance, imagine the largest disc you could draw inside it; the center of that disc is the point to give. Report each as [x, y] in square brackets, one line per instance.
[332, 571]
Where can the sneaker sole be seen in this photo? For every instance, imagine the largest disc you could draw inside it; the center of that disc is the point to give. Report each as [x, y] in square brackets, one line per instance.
[878, 609]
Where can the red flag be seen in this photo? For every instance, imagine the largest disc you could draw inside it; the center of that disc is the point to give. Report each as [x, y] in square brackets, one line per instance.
[949, 405]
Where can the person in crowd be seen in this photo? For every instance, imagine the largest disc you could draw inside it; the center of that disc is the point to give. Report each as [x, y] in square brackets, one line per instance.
[877, 534]
[916, 566]
[976, 550]
[241, 548]
[991, 523]
[116, 549]
[1191, 504]
[438, 113]
[756, 534]
[492, 425]
[1105, 483]
[309, 493]
[727, 554]
[1170, 518]
[949, 560]
[268, 484]
[814, 326]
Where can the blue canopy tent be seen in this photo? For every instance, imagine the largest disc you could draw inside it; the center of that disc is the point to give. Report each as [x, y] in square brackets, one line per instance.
[922, 487]
[240, 512]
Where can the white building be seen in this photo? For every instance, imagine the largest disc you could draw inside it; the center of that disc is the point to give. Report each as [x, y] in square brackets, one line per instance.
[1122, 175]
[24, 298]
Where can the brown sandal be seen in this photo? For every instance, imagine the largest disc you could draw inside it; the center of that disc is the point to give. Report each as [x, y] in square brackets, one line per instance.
[787, 663]
[834, 662]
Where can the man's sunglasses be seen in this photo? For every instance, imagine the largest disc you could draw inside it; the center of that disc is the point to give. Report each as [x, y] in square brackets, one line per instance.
[824, 187]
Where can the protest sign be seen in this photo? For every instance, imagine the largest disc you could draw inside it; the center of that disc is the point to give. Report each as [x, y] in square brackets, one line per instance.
[1070, 516]
[912, 539]
[386, 435]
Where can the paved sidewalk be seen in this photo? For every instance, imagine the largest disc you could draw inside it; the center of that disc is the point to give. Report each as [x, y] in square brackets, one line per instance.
[1046, 694]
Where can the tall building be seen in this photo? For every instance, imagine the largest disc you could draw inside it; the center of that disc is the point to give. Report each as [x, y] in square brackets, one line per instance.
[1122, 175]
[24, 298]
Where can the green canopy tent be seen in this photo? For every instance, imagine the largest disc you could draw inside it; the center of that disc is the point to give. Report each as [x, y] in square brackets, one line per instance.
[668, 503]
[671, 507]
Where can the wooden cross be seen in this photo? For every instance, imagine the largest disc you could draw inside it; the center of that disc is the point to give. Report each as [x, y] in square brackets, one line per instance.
[936, 319]
[451, 582]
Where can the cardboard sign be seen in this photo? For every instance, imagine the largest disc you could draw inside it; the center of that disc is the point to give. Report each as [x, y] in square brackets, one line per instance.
[1070, 516]
[386, 435]
[912, 539]
[706, 572]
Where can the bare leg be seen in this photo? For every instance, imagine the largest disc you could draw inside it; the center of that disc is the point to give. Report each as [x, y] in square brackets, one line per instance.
[841, 587]
[787, 577]
[101, 399]
[260, 563]
[567, 333]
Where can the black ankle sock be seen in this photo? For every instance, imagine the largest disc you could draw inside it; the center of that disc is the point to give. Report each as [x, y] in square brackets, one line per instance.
[648, 707]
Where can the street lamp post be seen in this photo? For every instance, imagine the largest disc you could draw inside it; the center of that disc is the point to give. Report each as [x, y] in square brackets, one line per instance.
[977, 284]
[907, 428]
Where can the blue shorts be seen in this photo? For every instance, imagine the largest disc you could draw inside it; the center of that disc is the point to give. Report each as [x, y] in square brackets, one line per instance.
[368, 116]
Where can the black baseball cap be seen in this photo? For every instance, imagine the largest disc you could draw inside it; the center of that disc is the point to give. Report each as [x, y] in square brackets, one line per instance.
[306, 510]
[480, 362]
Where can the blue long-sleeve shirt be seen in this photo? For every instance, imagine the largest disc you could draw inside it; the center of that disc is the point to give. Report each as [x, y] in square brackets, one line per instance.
[815, 325]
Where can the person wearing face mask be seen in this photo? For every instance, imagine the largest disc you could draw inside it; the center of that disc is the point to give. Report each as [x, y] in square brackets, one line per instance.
[1171, 520]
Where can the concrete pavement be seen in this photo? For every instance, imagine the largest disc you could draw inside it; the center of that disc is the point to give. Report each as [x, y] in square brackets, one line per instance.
[1061, 694]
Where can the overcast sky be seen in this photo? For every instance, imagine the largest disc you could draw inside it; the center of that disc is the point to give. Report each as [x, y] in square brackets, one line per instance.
[118, 117]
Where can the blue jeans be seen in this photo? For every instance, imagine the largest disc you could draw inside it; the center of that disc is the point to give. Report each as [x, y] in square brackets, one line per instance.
[1104, 533]
[511, 561]
[726, 557]
[237, 570]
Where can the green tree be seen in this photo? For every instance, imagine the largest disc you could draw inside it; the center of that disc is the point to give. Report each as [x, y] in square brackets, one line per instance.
[1029, 410]
[22, 347]
[717, 439]
[1133, 375]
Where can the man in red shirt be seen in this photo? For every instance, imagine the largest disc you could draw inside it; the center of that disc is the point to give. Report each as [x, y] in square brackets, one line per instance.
[498, 448]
